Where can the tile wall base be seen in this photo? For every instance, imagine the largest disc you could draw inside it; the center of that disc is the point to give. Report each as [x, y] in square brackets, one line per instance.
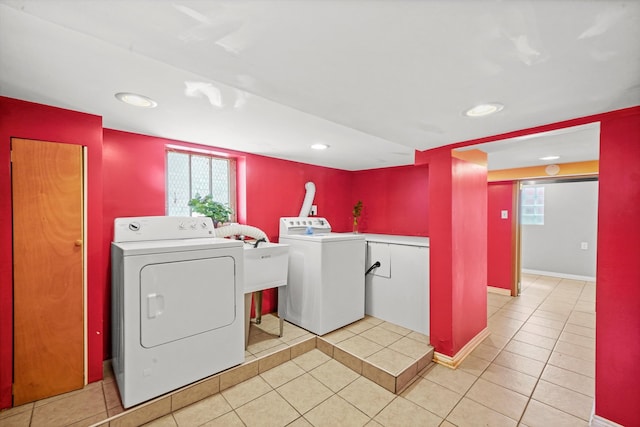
[499, 291]
[597, 421]
[455, 360]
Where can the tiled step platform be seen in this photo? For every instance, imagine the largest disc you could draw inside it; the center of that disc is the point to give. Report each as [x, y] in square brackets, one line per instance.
[388, 354]
[383, 352]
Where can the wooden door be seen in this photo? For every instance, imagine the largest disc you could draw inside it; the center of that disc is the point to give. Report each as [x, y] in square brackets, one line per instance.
[48, 333]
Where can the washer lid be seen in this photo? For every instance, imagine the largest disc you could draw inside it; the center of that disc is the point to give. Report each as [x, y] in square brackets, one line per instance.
[177, 245]
[324, 238]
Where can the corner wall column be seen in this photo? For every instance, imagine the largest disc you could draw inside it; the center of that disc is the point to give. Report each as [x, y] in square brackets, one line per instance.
[458, 255]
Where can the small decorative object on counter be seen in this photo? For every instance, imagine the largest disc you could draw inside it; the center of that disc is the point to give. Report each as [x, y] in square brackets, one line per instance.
[357, 211]
[205, 205]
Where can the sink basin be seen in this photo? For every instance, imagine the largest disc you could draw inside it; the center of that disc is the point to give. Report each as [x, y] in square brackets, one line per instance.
[265, 266]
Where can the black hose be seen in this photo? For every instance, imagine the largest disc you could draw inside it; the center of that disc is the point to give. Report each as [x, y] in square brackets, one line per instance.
[375, 265]
[255, 245]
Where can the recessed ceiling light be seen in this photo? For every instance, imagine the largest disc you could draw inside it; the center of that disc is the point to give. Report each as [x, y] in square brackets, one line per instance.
[550, 158]
[483, 109]
[136, 100]
[319, 146]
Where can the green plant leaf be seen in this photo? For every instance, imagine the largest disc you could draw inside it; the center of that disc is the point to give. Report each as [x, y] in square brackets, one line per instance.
[206, 206]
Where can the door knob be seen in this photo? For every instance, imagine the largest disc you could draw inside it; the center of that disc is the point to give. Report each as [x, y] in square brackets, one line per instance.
[78, 243]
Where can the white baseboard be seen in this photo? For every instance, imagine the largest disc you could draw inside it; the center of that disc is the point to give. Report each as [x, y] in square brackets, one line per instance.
[560, 275]
[500, 291]
[453, 361]
[597, 421]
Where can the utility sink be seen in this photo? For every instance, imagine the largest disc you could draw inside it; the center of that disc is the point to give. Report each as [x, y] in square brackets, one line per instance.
[265, 266]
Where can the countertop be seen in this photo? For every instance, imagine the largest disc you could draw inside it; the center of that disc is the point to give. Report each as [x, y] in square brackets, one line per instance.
[397, 240]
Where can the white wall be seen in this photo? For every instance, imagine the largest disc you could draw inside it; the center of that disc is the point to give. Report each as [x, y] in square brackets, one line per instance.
[570, 218]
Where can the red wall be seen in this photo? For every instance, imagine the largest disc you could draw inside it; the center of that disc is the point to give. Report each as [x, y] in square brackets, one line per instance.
[395, 200]
[127, 178]
[458, 248]
[133, 165]
[618, 271]
[500, 234]
[34, 121]
[440, 251]
[470, 252]
[276, 188]
[134, 185]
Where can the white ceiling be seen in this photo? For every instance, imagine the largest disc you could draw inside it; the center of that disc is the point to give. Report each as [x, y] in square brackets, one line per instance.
[374, 79]
[574, 144]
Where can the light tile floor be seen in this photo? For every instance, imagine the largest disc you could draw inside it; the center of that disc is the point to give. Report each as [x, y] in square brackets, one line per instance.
[535, 369]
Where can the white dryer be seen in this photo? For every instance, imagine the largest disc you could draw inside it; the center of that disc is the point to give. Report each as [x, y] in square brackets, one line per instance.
[177, 304]
[325, 289]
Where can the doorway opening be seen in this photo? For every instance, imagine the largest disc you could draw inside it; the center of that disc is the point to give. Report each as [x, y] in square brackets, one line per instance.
[557, 228]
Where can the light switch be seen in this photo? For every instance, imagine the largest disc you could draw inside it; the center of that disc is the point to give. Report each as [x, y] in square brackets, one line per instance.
[504, 214]
[584, 246]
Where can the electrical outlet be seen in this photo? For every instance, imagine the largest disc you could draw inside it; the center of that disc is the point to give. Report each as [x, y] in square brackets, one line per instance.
[584, 246]
[314, 210]
[504, 214]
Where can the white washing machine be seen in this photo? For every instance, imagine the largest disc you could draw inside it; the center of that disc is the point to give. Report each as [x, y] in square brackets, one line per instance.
[177, 304]
[325, 288]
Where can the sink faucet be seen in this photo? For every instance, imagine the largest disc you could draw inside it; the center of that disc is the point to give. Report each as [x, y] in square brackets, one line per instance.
[262, 239]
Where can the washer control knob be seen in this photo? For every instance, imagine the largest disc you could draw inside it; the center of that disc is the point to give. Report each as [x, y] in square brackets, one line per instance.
[134, 226]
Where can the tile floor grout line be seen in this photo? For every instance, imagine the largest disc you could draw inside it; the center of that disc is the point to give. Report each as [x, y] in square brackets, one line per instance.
[104, 397]
[493, 361]
[317, 379]
[313, 407]
[464, 395]
[529, 398]
[548, 358]
[524, 411]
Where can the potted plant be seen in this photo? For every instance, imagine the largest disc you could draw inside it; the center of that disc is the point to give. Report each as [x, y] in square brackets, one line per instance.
[205, 205]
[357, 211]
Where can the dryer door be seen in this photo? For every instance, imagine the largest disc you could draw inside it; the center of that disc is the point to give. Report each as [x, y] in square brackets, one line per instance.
[181, 299]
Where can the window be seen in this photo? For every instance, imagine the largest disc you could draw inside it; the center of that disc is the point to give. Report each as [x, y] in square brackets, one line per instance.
[189, 174]
[532, 205]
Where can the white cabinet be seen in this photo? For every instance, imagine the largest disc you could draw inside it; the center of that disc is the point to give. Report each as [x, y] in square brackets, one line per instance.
[398, 290]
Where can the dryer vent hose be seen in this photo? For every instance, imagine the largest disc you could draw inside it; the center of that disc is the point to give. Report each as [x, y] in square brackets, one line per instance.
[310, 188]
[240, 229]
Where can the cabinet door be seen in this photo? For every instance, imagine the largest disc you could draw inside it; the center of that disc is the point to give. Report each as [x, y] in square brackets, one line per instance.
[379, 252]
[400, 294]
